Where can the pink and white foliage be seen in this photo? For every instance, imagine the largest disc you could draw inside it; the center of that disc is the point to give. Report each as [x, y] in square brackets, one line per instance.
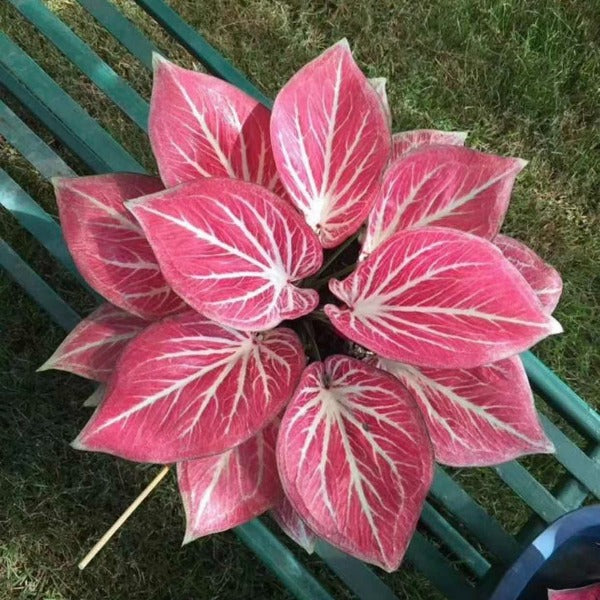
[405, 141]
[225, 490]
[542, 277]
[109, 247]
[588, 592]
[354, 458]
[232, 250]
[202, 126]
[379, 85]
[445, 186]
[437, 297]
[189, 388]
[293, 525]
[331, 141]
[475, 417]
[92, 348]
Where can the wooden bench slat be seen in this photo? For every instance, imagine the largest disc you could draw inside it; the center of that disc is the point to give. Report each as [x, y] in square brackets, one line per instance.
[31, 146]
[60, 312]
[281, 561]
[359, 577]
[561, 397]
[531, 491]
[122, 29]
[51, 121]
[471, 514]
[190, 39]
[35, 219]
[26, 71]
[81, 55]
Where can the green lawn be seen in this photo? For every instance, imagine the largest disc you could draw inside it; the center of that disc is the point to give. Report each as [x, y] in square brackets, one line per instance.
[522, 76]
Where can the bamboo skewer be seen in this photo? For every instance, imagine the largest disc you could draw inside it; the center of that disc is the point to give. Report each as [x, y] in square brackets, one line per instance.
[128, 512]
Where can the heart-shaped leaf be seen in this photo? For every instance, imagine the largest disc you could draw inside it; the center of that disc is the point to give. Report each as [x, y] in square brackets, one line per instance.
[91, 349]
[109, 247]
[331, 141]
[202, 126]
[232, 250]
[405, 141]
[445, 186]
[588, 592]
[226, 490]
[292, 524]
[437, 297]
[543, 278]
[475, 417]
[355, 459]
[188, 387]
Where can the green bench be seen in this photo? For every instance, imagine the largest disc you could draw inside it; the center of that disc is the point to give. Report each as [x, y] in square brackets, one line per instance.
[459, 547]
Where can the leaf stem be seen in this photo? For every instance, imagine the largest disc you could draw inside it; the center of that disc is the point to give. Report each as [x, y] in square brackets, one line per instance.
[128, 512]
[319, 283]
[312, 342]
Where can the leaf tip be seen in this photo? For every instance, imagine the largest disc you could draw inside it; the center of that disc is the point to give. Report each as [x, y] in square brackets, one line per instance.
[158, 60]
[78, 443]
[554, 327]
[343, 44]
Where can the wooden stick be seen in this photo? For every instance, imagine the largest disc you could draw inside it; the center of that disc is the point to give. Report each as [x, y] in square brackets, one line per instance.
[128, 512]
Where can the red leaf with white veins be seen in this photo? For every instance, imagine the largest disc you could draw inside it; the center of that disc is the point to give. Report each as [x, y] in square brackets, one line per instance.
[202, 126]
[232, 250]
[405, 141]
[226, 490]
[188, 387]
[437, 297]
[91, 349]
[445, 186]
[292, 524]
[355, 459]
[542, 277]
[588, 592]
[331, 141]
[379, 85]
[109, 247]
[475, 417]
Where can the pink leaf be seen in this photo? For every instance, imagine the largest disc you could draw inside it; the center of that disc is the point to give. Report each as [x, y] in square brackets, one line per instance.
[475, 417]
[201, 126]
[232, 250]
[109, 247]
[331, 142]
[354, 459]
[445, 186]
[91, 349]
[543, 278]
[226, 490]
[379, 85]
[437, 297]
[292, 524]
[589, 592]
[187, 388]
[406, 141]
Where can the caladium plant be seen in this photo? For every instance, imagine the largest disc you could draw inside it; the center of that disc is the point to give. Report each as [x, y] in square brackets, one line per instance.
[223, 278]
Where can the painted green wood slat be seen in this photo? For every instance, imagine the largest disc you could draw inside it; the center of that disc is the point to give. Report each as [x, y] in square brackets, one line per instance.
[51, 121]
[34, 149]
[358, 576]
[38, 83]
[427, 559]
[122, 29]
[463, 550]
[531, 491]
[561, 397]
[575, 460]
[485, 528]
[81, 55]
[281, 561]
[37, 288]
[199, 47]
[35, 219]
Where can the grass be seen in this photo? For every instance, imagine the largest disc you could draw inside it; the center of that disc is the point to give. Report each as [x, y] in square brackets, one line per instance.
[523, 77]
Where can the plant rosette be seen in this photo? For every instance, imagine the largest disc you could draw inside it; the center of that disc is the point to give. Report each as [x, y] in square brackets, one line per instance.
[223, 281]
